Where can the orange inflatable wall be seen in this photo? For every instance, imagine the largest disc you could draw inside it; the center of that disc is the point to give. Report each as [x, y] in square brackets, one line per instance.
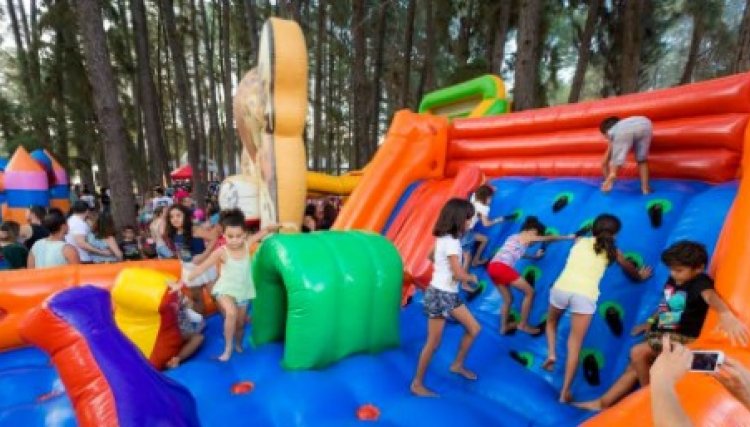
[21, 291]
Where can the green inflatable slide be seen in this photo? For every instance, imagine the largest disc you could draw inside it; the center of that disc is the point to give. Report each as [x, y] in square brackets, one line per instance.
[327, 295]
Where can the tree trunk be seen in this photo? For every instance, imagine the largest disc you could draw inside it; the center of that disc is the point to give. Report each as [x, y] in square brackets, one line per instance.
[109, 115]
[378, 76]
[527, 60]
[461, 48]
[61, 120]
[426, 80]
[318, 100]
[227, 57]
[742, 58]
[331, 121]
[252, 27]
[185, 100]
[632, 30]
[497, 52]
[200, 126]
[584, 50]
[359, 81]
[213, 114]
[409, 40]
[699, 28]
[150, 103]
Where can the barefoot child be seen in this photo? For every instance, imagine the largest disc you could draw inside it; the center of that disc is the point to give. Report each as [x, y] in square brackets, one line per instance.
[481, 201]
[441, 298]
[577, 289]
[503, 274]
[622, 135]
[190, 323]
[688, 294]
[234, 289]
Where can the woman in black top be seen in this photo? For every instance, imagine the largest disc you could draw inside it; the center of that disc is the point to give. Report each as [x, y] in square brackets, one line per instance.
[34, 230]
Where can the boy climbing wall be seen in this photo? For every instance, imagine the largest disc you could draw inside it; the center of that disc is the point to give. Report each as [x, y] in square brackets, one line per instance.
[633, 132]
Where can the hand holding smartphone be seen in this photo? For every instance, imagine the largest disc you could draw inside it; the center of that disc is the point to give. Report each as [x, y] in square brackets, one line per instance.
[707, 360]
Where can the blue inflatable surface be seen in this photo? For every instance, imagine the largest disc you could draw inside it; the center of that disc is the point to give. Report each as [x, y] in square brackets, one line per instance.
[512, 389]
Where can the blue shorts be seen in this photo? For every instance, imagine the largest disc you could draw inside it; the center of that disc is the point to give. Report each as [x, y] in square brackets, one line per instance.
[467, 241]
[439, 304]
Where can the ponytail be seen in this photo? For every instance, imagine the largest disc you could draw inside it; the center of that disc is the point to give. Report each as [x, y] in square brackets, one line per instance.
[606, 243]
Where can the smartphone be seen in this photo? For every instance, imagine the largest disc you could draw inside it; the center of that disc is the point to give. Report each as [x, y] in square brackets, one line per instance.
[707, 361]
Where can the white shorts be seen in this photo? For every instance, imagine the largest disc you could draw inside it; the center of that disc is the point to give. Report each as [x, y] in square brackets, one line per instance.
[577, 303]
[208, 277]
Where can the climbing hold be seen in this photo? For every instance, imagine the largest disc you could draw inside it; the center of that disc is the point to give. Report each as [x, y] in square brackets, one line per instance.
[532, 274]
[613, 315]
[471, 295]
[561, 201]
[656, 210]
[243, 387]
[523, 357]
[593, 362]
[551, 231]
[634, 258]
[368, 412]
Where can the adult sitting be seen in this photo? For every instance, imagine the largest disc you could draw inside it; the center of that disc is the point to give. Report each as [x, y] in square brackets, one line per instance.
[78, 231]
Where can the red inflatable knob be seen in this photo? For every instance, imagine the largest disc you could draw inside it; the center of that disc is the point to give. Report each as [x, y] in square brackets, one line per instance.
[243, 387]
[368, 412]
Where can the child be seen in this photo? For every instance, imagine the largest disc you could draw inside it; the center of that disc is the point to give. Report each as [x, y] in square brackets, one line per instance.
[234, 289]
[441, 299]
[13, 255]
[503, 274]
[481, 201]
[53, 251]
[130, 245]
[622, 135]
[157, 228]
[190, 250]
[688, 294]
[102, 237]
[190, 323]
[577, 288]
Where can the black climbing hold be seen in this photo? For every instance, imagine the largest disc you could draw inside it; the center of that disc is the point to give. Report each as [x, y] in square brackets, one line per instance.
[591, 370]
[586, 229]
[511, 317]
[530, 277]
[632, 261]
[656, 215]
[560, 203]
[542, 326]
[614, 321]
[519, 358]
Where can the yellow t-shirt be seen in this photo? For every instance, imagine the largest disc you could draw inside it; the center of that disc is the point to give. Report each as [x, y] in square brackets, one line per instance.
[583, 270]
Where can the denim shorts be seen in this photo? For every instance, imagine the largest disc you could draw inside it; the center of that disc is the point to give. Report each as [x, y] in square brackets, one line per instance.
[439, 304]
[467, 241]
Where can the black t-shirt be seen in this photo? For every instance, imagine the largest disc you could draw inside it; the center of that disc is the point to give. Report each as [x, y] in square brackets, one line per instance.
[37, 233]
[683, 309]
[130, 250]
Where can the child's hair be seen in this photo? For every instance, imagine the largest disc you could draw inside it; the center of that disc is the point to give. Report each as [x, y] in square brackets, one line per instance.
[483, 193]
[187, 224]
[127, 228]
[105, 226]
[232, 218]
[54, 220]
[604, 229]
[607, 124]
[685, 254]
[452, 219]
[533, 223]
[12, 228]
[79, 207]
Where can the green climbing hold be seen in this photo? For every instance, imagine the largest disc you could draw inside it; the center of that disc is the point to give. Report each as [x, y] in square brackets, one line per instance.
[591, 352]
[603, 307]
[535, 271]
[551, 231]
[666, 205]
[635, 257]
[327, 295]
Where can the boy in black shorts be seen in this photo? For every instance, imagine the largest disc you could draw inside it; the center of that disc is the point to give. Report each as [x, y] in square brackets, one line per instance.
[688, 294]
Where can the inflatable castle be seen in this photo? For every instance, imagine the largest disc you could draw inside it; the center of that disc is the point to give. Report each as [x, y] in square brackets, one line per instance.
[29, 179]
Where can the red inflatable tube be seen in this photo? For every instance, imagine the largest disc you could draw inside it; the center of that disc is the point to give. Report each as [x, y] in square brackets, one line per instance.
[718, 96]
[706, 165]
[709, 132]
[418, 217]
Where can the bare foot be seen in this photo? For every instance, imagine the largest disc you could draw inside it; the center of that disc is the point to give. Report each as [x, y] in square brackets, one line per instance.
[238, 347]
[529, 329]
[565, 397]
[591, 405]
[225, 356]
[549, 364]
[507, 328]
[646, 190]
[460, 370]
[173, 363]
[607, 185]
[421, 391]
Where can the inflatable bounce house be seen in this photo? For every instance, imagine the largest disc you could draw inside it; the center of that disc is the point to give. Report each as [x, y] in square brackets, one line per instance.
[32, 179]
[332, 344]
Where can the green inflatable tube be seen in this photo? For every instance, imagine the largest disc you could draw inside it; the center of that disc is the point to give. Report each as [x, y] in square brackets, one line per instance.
[484, 87]
[327, 295]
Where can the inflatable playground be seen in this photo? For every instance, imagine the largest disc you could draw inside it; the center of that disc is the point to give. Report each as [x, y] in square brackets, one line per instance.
[336, 330]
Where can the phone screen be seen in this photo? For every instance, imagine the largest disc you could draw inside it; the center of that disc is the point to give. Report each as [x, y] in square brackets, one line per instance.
[705, 362]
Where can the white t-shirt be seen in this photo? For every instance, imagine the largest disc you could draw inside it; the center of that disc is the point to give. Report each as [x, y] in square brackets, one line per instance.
[442, 276]
[78, 227]
[479, 208]
[160, 201]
